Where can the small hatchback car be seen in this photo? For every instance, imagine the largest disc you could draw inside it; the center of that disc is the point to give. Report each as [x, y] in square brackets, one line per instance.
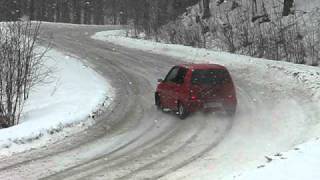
[189, 88]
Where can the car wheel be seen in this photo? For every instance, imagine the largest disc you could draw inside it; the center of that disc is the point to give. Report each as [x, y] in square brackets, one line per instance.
[157, 101]
[230, 111]
[182, 111]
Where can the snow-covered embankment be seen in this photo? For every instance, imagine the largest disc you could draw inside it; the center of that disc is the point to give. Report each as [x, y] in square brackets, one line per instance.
[268, 134]
[62, 104]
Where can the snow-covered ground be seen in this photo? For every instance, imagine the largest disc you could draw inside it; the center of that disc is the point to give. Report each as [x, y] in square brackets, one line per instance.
[62, 104]
[300, 163]
[303, 157]
[306, 5]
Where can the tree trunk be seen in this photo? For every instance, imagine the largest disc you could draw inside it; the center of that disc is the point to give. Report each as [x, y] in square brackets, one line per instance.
[114, 11]
[31, 11]
[65, 11]
[87, 12]
[288, 4]
[76, 11]
[50, 11]
[206, 9]
[58, 10]
[98, 12]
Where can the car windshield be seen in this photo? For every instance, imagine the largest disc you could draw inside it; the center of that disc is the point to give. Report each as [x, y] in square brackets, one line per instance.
[210, 76]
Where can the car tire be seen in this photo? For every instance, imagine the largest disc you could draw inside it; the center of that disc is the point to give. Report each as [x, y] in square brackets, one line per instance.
[182, 111]
[230, 111]
[157, 101]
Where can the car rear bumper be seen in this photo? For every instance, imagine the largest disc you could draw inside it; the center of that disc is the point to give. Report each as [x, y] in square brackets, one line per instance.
[208, 106]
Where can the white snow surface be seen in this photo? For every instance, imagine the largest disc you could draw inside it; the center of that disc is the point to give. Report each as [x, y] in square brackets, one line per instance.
[301, 162]
[307, 5]
[62, 104]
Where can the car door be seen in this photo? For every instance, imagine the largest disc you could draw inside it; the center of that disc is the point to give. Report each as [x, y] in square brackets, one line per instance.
[175, 87]
[166, 87]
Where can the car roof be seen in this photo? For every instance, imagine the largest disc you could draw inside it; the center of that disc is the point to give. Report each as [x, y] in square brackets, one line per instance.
[202, 66]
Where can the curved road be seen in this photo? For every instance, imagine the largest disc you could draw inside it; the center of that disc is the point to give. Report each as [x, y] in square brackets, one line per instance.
[133, 140]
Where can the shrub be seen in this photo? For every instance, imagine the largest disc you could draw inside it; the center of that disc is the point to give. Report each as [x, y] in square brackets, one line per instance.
[20, 68]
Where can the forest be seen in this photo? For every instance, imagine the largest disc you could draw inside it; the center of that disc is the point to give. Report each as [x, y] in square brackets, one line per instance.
[270, 29]
[92, 11]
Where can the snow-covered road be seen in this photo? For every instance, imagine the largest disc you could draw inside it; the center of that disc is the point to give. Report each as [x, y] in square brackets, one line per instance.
[135, 141]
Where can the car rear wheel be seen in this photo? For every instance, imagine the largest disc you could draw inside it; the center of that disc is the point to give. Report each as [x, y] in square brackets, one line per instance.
[231, 111]
[182, 111]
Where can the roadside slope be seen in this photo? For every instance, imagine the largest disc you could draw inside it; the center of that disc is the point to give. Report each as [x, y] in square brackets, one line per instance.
[63, 103]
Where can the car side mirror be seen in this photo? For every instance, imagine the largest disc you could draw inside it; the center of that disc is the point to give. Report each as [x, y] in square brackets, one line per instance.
[160, 80]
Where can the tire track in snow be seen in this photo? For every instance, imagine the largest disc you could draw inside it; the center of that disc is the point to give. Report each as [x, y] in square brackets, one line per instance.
[168, 146]
[101, 161]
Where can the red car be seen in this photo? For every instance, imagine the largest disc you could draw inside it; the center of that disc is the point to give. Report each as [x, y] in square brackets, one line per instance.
[197, 87]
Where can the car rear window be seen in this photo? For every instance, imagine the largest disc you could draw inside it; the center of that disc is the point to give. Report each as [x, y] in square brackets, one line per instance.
[210, 77]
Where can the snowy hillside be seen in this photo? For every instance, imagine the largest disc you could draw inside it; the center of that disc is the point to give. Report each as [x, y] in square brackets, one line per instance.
[254, 29]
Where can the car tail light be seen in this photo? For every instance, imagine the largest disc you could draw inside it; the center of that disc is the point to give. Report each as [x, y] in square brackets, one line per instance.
[193, 96]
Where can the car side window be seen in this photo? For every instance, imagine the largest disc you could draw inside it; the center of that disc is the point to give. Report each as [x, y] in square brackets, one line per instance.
[176, 75]
[181, 75]
[172, 74]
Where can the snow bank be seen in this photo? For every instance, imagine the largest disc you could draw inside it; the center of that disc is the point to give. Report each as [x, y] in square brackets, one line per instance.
[283, 73]
[300, 163]
[69, 96]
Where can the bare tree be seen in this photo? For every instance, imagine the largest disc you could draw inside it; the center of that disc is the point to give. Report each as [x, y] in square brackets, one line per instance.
[21, 67]
[287, 7]
[98, 11]
[65, 11]
[58, 10]
[206, 9]
[76, 12]
[32, 10]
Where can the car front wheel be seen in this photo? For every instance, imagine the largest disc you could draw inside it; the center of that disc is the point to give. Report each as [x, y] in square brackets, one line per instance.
[157, 101]
[182, 111]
